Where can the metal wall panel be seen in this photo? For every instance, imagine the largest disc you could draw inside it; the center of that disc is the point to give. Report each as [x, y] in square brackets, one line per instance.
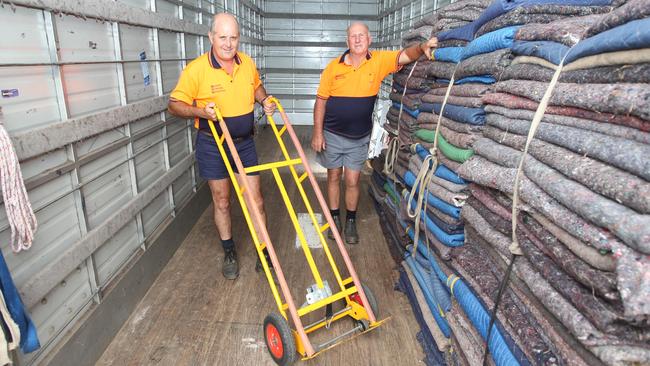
[140, 77]
[144, 4]
[296, 56]
[66, 66]
[35, 102]
[154, 214]
[71, 297]
[83, 41]
[111, 256]
[170, 48]
[167, 7]
[182, 189]
[105, 194]
[192, 46]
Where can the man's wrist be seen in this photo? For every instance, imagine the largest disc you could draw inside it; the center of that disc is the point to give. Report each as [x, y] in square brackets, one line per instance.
[263, 99]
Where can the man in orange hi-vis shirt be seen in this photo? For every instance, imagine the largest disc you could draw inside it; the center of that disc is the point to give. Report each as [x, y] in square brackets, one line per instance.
[343, 115]
[227, 79]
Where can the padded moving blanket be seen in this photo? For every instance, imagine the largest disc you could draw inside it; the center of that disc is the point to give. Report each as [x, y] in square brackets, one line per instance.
[540, 15]
[602, 178]
[631, 10]
[585, 124]
[611, 74]
[500, 7]
[515, 102]
[566, 31]
[622, 99]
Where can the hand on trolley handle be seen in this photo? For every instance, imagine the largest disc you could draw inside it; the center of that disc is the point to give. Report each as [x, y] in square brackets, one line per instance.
[283, 342]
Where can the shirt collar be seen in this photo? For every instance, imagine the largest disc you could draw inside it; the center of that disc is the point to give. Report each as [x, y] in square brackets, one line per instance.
[215, 64]
[342, 59]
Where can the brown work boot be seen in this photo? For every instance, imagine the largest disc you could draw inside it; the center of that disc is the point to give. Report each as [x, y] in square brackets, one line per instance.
[337, 222]
[230, 268]
[351, 236]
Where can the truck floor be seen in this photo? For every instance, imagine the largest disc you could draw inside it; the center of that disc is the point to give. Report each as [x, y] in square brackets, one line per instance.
[192, 315]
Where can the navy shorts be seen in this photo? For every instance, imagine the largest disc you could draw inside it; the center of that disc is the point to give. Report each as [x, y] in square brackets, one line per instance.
[212, 166]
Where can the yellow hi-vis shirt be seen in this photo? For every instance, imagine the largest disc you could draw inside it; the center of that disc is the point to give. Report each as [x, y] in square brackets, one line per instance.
[351, 92]
[203, 81]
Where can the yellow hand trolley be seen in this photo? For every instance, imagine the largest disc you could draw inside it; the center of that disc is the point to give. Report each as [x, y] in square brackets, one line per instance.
[283, 342]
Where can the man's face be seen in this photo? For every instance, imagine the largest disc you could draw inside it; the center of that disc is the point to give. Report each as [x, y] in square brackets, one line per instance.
[358, 39]
[225, 39]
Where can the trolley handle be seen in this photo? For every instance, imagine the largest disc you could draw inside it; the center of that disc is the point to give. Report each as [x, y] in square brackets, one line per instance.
[277, 103]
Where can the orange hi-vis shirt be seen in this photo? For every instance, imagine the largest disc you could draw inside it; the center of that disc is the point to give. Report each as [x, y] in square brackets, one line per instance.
[204, 81]
[351, 93]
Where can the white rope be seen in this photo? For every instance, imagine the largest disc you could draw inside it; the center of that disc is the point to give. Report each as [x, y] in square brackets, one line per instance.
[19, 211]
[393, 143]
[422, 181]
[537, 118]
[431, 162]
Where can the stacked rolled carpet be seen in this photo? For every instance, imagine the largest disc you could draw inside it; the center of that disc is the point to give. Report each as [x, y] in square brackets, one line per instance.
[578, 293]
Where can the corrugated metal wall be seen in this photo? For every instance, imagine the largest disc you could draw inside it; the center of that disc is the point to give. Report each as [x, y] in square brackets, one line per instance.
[91, 79]
[395, 18]
[301, 37]
[107, 168]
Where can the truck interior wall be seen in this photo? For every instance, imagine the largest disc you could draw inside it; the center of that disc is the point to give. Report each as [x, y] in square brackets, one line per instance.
[98, 149]
[110, 174]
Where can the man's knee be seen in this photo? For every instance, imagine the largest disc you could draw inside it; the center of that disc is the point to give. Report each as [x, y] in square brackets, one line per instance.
[352, 180]
[334, 175]
[221, 203]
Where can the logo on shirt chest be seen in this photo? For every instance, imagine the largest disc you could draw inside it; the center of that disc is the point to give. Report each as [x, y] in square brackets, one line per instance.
[339, 77]
[217, 88]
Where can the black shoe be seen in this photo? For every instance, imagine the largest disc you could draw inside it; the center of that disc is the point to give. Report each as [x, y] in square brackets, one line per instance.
[258, 265]
[230, 268]
[337, 222]
[351, 236]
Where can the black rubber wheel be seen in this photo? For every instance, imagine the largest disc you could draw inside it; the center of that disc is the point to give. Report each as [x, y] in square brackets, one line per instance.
[372, 301]
[279, 339]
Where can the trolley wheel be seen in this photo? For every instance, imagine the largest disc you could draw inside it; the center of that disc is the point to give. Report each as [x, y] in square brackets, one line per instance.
[279, 339]
[372, 301]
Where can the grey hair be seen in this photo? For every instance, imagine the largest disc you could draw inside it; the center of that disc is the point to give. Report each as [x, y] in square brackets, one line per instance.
[213, 23]
[357, 23]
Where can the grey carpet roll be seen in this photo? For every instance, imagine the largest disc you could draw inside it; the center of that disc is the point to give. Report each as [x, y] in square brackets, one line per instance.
[633, 287]
[568, 315]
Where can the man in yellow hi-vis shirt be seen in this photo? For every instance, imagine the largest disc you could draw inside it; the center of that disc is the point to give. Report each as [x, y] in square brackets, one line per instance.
[227, 79]
[343, 115]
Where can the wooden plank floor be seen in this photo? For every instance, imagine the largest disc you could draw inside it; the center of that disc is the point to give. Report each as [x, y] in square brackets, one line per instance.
[193, 316]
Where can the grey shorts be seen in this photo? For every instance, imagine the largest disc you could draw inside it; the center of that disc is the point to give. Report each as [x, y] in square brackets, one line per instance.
[343, 152]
